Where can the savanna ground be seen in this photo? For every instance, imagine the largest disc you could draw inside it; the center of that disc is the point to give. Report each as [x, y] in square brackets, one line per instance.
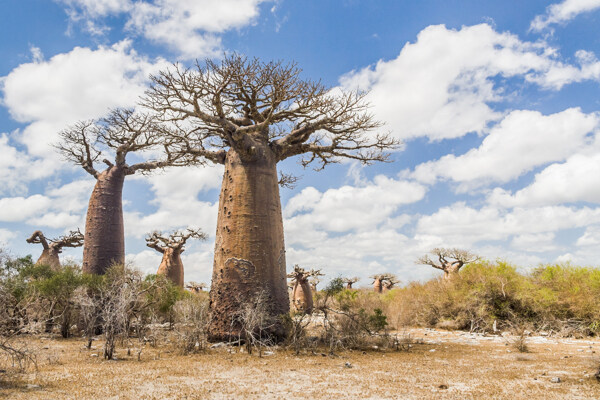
[440, 365]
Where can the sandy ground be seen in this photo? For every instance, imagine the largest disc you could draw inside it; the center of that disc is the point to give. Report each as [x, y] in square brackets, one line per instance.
[442, 365]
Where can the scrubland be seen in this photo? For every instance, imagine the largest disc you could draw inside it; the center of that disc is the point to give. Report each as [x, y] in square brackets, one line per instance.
[492, 332]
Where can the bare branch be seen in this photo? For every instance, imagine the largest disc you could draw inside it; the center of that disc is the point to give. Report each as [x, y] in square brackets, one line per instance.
[175, 240]
[79, 145]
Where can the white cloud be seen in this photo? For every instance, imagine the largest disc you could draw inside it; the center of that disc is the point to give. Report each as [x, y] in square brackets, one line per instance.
[176, 198]
[572, 181]
[80, 84]
[591, 237]
[350, 207]
[20, 208]
[562, 13]
[468, 225]
[5, 236]
[442, 85]
[522, 141]
[191, 28]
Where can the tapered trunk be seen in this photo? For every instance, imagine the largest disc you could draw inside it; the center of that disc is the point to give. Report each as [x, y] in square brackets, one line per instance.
[378, 286]
[104, 242]
[171, 266]
[249, 245]
[302, 297]
[49, 257]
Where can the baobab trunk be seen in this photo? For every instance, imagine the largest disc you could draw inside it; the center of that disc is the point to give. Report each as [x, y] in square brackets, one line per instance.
[302, 297]
[49, 257]
[378, 285]
[249, 244]
[104, 243]
[172, 266]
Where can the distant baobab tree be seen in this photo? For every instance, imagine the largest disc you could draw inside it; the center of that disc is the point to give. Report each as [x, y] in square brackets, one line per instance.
[301, 292]
[250, 115]
[350, 281]
[195, 287]
[171, 248]
[121, 133]
[53, 247]
[383, 281]
[450, 260]
[313, 282]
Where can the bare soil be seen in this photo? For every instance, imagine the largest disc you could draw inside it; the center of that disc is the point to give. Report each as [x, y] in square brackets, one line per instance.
[439, 365]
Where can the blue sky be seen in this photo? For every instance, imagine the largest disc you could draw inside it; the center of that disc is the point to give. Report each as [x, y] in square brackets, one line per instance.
[496, 103]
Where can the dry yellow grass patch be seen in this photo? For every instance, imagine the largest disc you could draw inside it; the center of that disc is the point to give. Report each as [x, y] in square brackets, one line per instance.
[461, 367]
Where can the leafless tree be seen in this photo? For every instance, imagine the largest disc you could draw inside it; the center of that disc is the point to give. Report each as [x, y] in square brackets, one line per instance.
[350, 281]
[121, 133]
[195, 287]
[256, 321]
[53, 247]
[171, 248]
[450, 260]
[313, 282]
[301, 293]
[192, 316]
[383, 282]
[250, 115]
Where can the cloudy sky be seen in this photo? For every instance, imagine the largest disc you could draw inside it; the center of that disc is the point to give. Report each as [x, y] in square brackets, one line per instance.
[496, 102]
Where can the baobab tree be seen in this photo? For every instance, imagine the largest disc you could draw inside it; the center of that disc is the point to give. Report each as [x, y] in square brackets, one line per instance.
[313, 282]
[350, 281]
[249, 115]
[171, 248]
[450, 260]
[381, 281]
[53, 247]
[302, 293]
[121, 133]
[195, 287]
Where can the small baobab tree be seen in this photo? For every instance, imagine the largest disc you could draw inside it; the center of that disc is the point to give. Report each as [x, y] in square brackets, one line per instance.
[449, 260]
[171, 248]
[121, 133]
[383, 281]
[250, 115]
[301, 292]
[350, 281]
[53, 247]
[195, 287]
[313, 282]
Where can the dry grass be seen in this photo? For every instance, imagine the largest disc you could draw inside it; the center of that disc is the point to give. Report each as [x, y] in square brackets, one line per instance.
[449, 365]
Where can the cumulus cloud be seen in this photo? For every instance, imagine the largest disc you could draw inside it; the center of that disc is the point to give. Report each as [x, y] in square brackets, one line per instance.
[572, 181]
[176, 198]
[442, 85]
[191, 28]
[522, 141]
[465, 226]
[350, 207]
[562, 13]
[50, 95]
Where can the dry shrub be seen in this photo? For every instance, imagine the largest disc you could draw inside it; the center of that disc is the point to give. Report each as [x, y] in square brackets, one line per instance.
[191, 316]
[558, 298]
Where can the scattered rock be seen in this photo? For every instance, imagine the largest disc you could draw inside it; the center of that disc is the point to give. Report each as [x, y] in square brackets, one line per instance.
[32, 386]
[432, 350]
[442, 386]
[218, 345]
[555, 379]
[268, 353]
[347, 365]
[93, 355]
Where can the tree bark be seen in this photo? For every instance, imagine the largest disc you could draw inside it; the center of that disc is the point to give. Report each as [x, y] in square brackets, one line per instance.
[249, 244]
[104, 243]
[302, 297]
[172, 266]
[49, 257]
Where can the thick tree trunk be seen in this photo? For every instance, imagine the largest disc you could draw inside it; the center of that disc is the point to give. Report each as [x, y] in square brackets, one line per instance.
[171, 266]
[104, 242]
[302, 297]
[249, 245]
[49, 257]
